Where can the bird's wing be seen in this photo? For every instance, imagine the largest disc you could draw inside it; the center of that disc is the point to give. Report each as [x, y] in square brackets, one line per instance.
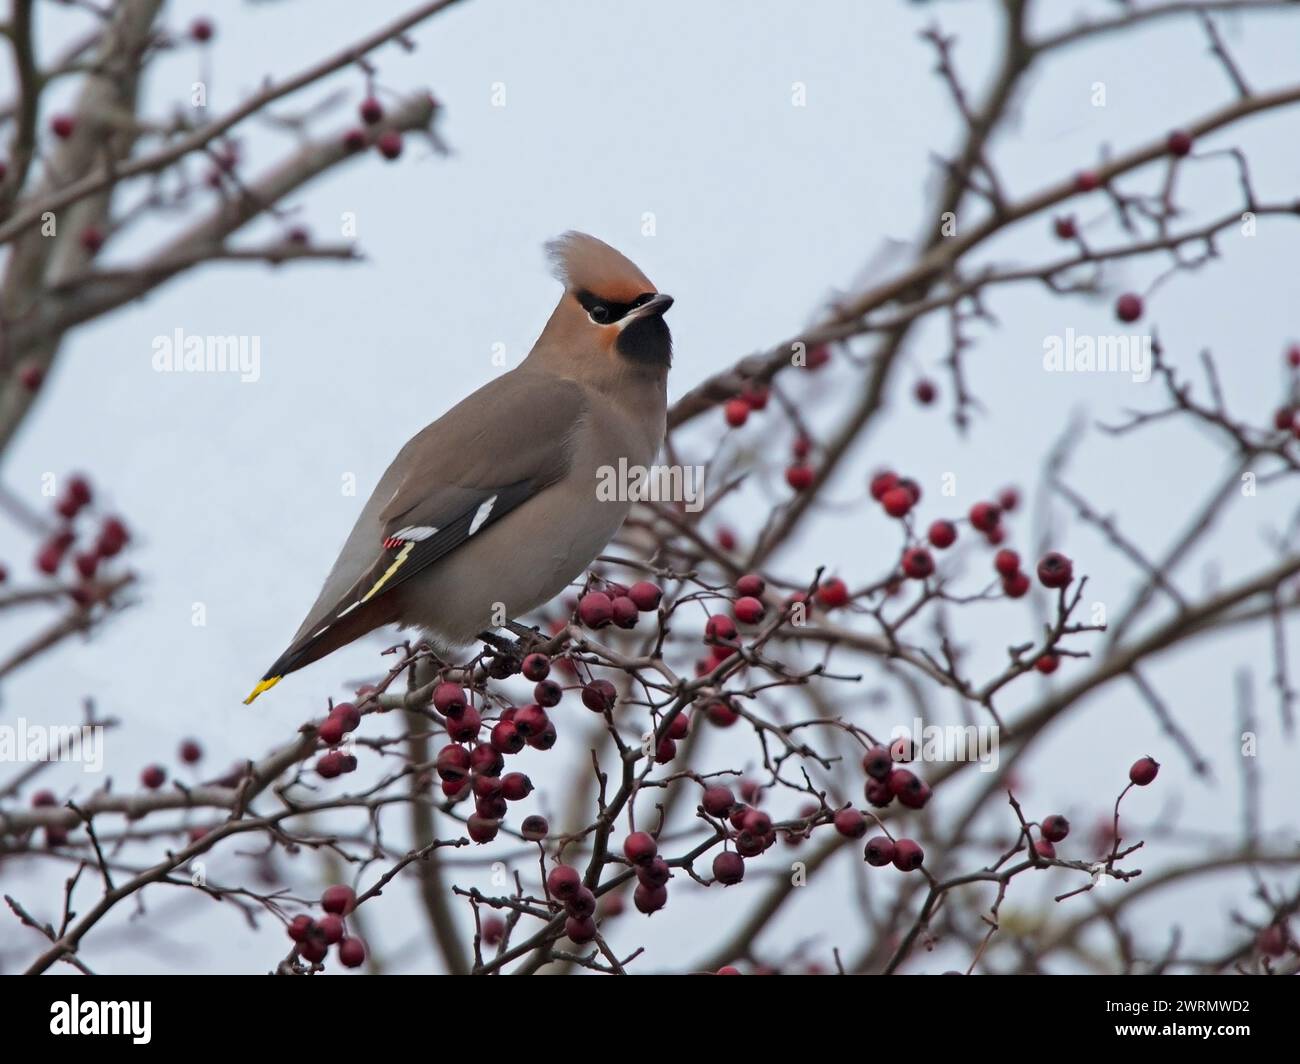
[496, 449]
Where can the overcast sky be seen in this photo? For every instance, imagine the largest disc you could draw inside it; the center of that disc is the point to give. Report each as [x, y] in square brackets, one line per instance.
[761, 210]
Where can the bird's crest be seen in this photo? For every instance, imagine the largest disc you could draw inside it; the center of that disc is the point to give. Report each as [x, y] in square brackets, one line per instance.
[584, 264]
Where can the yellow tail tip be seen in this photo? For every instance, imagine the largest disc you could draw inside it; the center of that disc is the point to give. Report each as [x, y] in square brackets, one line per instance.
[263, 685]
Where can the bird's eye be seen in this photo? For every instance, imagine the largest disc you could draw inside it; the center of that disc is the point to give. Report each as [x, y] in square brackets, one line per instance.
[599, 314]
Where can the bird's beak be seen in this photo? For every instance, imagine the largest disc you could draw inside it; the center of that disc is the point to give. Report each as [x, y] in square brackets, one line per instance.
[652, 309]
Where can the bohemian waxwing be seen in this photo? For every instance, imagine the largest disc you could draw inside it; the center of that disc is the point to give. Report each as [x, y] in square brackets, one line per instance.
[493, 509]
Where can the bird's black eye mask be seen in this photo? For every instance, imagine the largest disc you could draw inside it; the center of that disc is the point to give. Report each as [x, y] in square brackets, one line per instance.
[605, 312]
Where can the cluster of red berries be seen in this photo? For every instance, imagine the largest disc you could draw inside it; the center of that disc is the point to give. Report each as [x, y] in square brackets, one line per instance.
[1052, 830]
[887, 779]
[314, 937]
[753, 396]
[618, 605]
[343, 718]
[388, 143]
[470, 765]
[109, 539]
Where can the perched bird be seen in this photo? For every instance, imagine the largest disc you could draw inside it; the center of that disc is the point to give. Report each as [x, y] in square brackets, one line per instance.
[493, 509]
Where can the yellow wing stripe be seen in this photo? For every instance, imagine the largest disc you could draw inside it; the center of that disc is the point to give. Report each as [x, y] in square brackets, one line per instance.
[264, 685]
[397, 564]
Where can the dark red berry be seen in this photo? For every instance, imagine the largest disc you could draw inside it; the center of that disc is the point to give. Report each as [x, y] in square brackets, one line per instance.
[371, 111]
[942, 534]
[313, 949]
[985, 516]
[1045, 849]
[1179, 143]
[599, 696]
[897, 501]
[908, 855]
[389, 144]
[482, 829]
[1015, 586]
[506, 738]
[153, 777]
[1055, 570]
[879, 851]
[452, 762]
[1065, 227]
[645, 595]
[748, 610]
[535, 828]
[640, 847]
[1143, 771]
[1055, 827]
[649, 899]
[728, 868]
[718, 801]
[536, 667]
[1128, 308]
[850, 823]
[917, 563]
[531, 720]
[201, 30]
[515, 786]
[596, 609]
[300, 927]
[719, 629]
[580, 930]
[1006, 562]
[799, 476]
[352, 953]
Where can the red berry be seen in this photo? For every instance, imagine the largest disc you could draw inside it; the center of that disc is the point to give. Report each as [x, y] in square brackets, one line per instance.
[515, 786]
[389, 144]
[449, 699]
[645, 595]
[833, 593]
[43, 798]
[726, 539]
[535, 828]
[352, 953]
[817, 356]
[748, 610]
[465, 728]
[985, 516]
[649, 899]
[482, 829]
[1055, 570]
[718, 801]
[1179, 143]
[879, 851]
[1128, 307]
[728, 868]
[925, 391]
[801, 448]
[354, 139]
[1271, 940]
[1006, 562]
[1008, 499]
[536, 667]
[599, 696]
[153, 777]
[113, 537]
[531, 720]
[877, 763]
[1086, 181]
[563, 882]
[897, 501]
[799, 477]
[31, 375]
[452, 762]
[50, 558]
[85, 562]
[484, 761]
[487, 787]
[1045, 849]
[371, 111]
[1143, 771]
[1047, 663]
[331, 928]
[1293, 356]
[300, 927]
[580, 930]
[640, 847]
[625, 612]
[654, 873]
[908, 855]
[92, 239]
[201, 30]
[596, 609]
[942, 534]
[721, 714]
[719, 629]
[331, 731]
[881, 483]
[850, 823]
[756, 396]
[1065, 227]
[751, 584]
[506, 738]
[736, 412]
[1016, 585]
[1055, 827]
[348, 714]
[548, 693]
[917, 563]
[63, 126]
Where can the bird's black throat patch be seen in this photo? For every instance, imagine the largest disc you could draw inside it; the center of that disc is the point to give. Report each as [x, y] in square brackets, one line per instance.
[647, 341]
